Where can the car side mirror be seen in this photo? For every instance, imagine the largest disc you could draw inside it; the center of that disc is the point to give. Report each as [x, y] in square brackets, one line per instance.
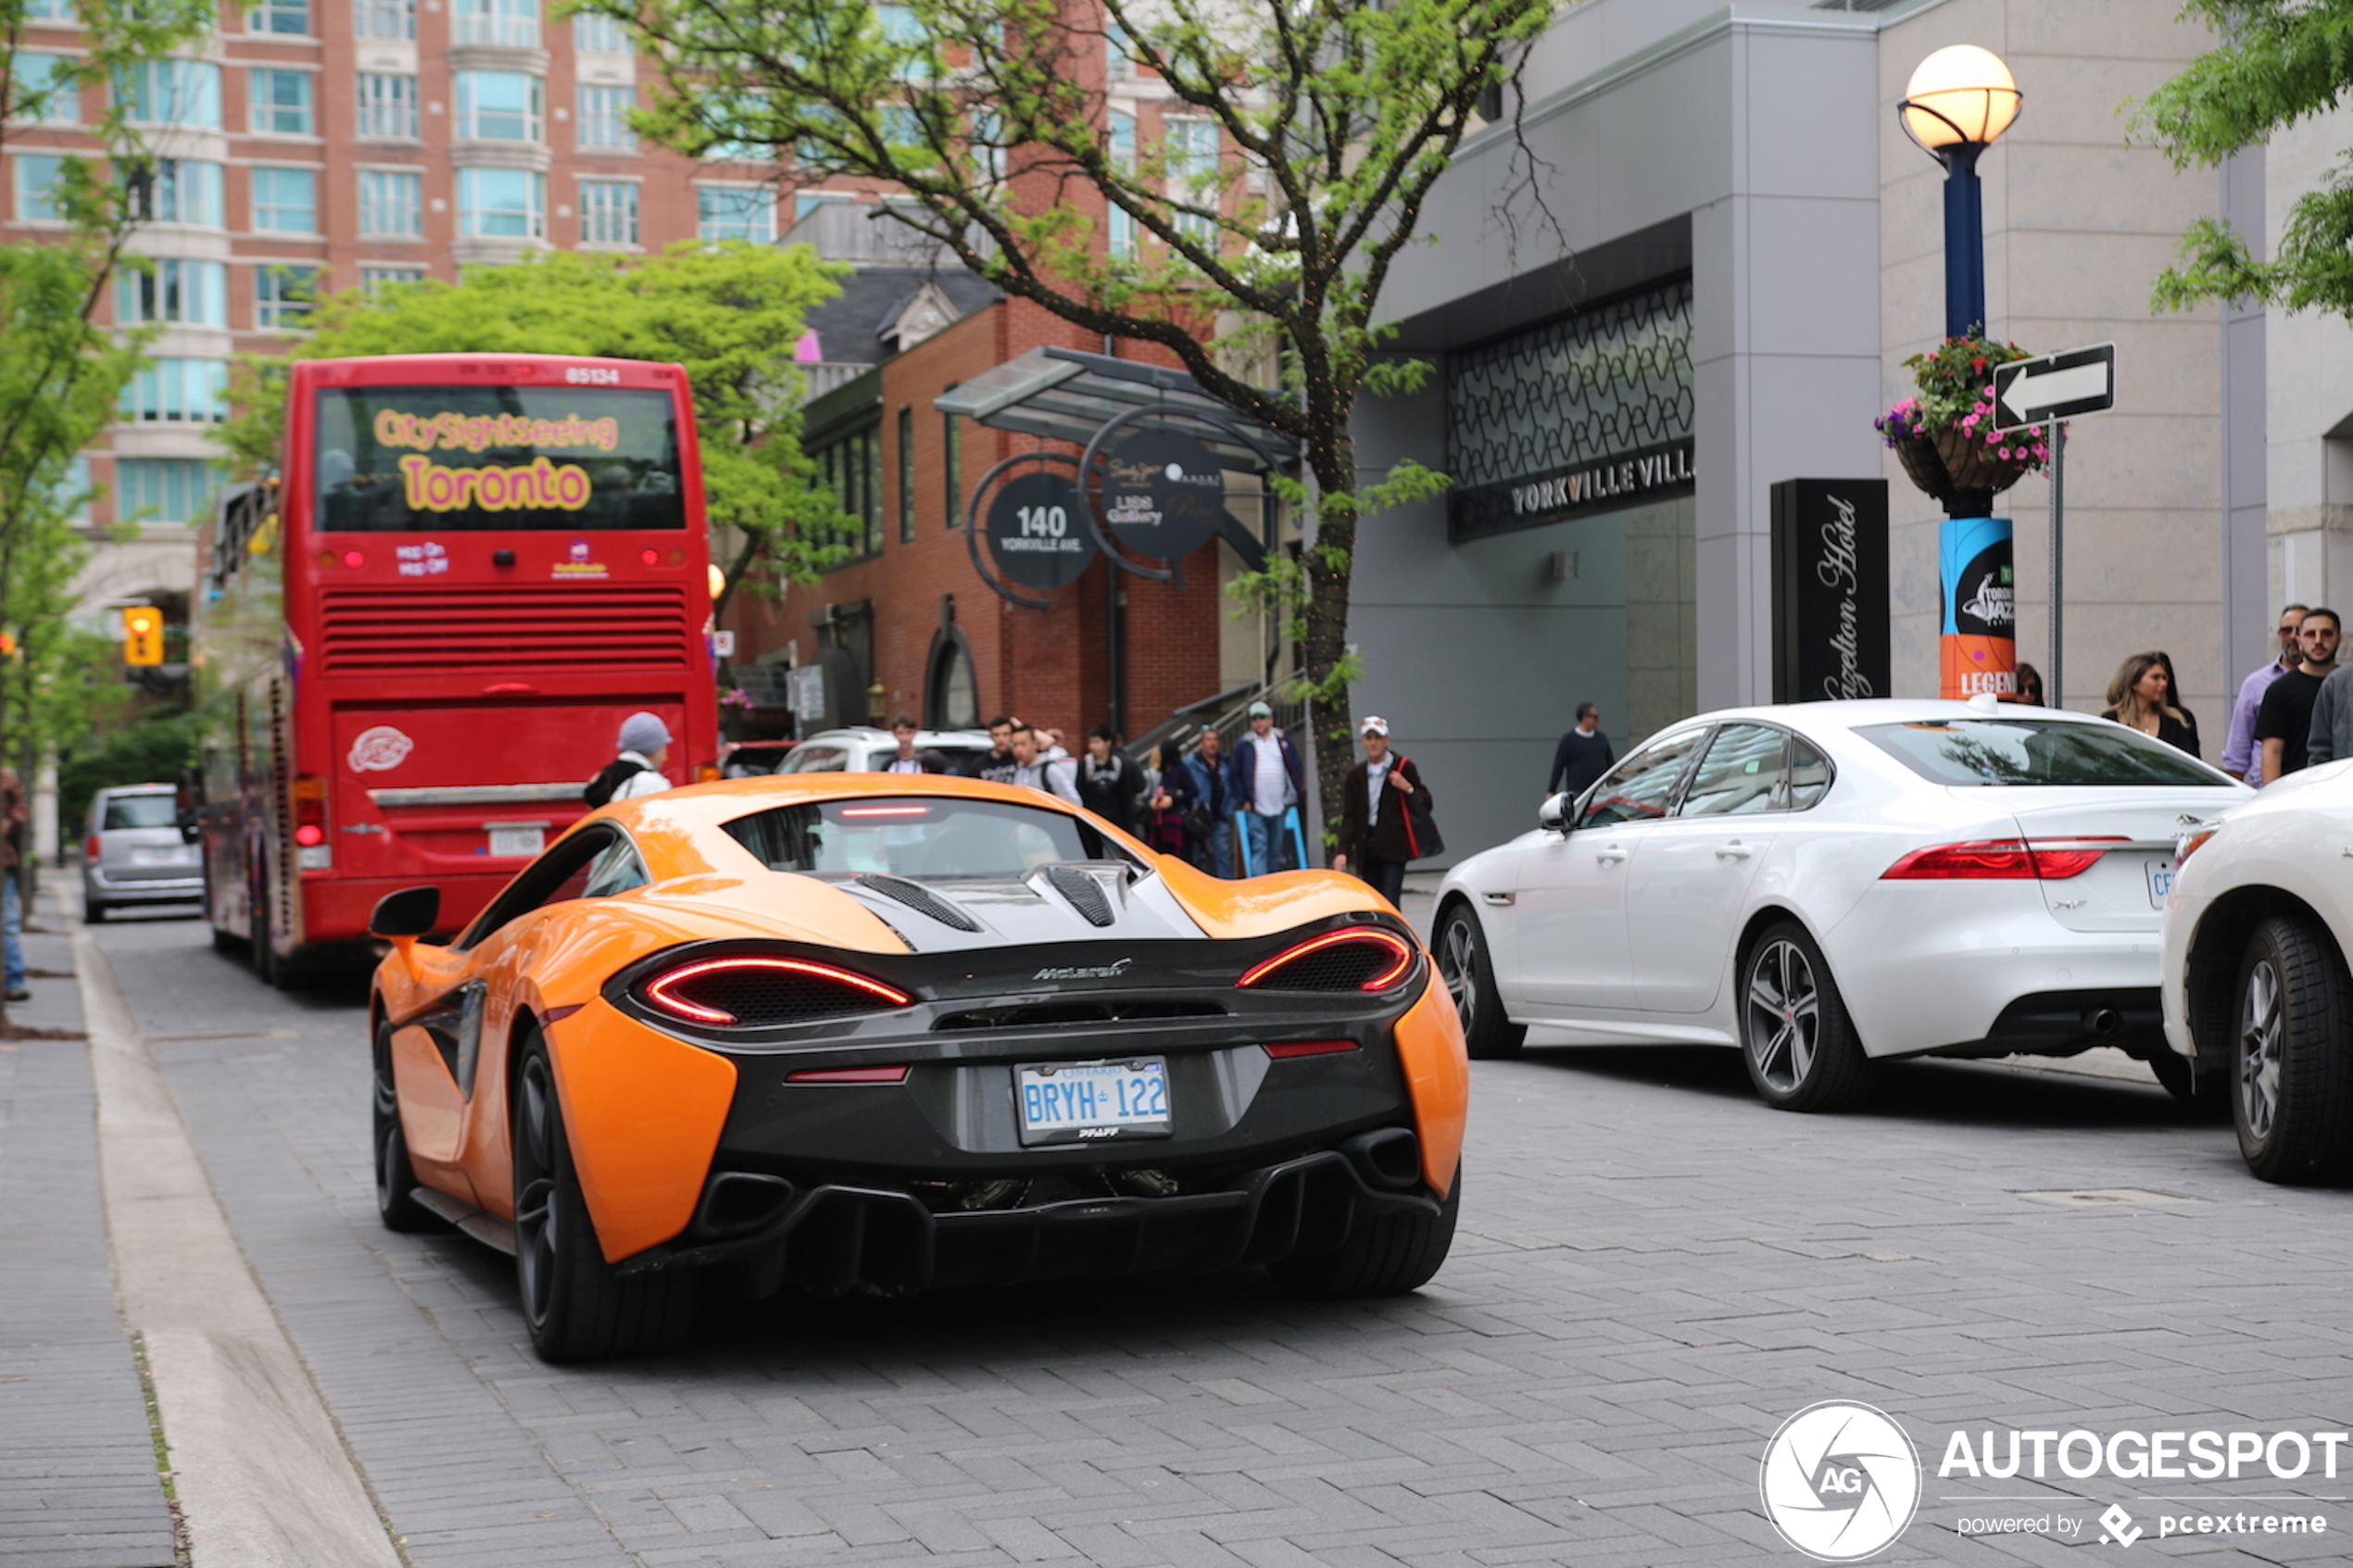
[405, 915]
[1553, 816]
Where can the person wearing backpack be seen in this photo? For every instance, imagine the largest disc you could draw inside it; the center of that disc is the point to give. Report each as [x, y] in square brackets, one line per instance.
[1378, 836]
[645, 746]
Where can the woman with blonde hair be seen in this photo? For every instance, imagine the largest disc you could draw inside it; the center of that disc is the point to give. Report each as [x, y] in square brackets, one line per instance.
[2141, 696]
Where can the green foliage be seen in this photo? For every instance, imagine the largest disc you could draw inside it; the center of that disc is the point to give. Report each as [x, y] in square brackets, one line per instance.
[1333, 119]
[730, 313]
[2287, 61]
[150, 749]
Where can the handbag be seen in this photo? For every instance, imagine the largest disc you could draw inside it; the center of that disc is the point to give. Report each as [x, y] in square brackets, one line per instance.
[1422, 838]
[1199, 821]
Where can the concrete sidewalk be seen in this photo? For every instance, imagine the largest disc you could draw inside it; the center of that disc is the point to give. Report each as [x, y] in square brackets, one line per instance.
[79, 1484]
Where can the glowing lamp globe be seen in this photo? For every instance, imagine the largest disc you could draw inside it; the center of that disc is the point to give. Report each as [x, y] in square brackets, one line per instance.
[1960, 96]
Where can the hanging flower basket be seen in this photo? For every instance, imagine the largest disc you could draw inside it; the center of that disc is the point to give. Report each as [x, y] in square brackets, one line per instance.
[1984, 463]
[1922, 466]
[1944, 437]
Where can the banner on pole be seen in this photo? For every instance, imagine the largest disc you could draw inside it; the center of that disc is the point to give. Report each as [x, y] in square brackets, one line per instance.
[1978, 649]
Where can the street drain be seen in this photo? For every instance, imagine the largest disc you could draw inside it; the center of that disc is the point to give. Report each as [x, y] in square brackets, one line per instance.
[2114, 1197]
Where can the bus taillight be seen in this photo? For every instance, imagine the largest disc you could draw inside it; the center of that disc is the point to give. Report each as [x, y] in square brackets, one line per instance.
[311, 810]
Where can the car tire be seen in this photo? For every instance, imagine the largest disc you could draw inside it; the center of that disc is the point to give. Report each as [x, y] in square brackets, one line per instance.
[577, 1307]
[2293, 1099]
[396, 1177]
[93, 913]
[1469, 977]
[227, 942]
[1796, 1038]
[2210, 1095]
[1384, 1255]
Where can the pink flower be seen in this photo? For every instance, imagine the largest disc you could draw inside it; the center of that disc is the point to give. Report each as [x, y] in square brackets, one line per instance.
[2005, 452]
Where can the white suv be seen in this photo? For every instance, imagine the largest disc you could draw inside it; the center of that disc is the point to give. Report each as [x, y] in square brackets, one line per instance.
[865, 749]
[2257, 989]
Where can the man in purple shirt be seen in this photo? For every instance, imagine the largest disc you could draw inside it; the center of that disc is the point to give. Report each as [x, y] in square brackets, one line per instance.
[2242, 759]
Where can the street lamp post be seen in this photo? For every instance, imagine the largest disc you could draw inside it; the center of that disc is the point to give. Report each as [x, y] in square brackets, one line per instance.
[1959, 102]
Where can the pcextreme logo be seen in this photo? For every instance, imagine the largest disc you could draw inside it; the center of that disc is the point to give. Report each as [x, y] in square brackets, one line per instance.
[1840, 1481]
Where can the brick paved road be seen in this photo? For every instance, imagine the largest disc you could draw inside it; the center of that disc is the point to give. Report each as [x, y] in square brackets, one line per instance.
[1654, 1272]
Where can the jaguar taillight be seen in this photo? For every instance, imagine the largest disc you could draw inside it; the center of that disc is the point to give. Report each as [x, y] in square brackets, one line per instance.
[760, 991]
[2002, 860]
[1363, 958]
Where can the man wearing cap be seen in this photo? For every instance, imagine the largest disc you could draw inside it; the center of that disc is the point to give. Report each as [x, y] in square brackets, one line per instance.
[1263, 782]
[645, 746]
[1375, 839]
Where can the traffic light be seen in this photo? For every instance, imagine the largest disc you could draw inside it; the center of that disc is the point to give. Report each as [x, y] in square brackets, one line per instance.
[142, 634]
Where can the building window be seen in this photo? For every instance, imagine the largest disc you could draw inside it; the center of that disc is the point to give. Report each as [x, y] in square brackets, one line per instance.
[280, 103]
[513, 23]
[179, 190]
[1192, 149]
[497, 105]
[286, 201]
[1118, 64]
[1121, 232]
[735, 212]
[178, 391]
[42, 88]
[951, 448]
[37, 177]
[387, 105]
[608, 212]
[901, 28]
[171, 93]
[384, 19]
[604, 118]
[50, 11]
[598, 35]
[375, 279]
[851, 468]
[392, 202]
[162, 489]
[282, 294]
[195, 294]
[906, 476]
[291, 17]
[503, 204]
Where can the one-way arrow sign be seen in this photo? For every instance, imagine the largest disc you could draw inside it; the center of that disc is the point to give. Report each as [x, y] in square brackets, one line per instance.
[2057, 386]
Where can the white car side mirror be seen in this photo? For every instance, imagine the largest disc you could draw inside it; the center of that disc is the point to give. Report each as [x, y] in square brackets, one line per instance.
[1553, 816]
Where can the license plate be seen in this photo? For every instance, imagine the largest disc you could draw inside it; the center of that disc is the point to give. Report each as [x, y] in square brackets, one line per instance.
[169, 854]
[2162, 873]
[1090, 1102]
[517, 840]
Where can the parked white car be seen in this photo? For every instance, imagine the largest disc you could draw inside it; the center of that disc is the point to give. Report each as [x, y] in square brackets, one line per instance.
[865, 749]
[2257, 991]
[1828, 884]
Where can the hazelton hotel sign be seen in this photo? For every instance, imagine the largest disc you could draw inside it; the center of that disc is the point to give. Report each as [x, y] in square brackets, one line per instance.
[1584, 415]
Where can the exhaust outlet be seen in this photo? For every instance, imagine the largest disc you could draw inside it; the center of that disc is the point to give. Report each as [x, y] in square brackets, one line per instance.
[1390, 1156]
[2101, 1023]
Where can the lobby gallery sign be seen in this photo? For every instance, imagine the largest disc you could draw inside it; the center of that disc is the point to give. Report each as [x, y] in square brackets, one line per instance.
[1829, 589]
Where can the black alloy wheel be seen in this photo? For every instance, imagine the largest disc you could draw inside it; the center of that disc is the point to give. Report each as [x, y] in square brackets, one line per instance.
[2293, 1060]
[577, 1307]
[1469, 977]
[1796, 1036]
[1383, 1254]
[396, 1177]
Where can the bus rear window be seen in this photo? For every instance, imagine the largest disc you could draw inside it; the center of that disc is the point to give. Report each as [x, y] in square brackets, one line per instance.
[2029, 751]
[441, 459]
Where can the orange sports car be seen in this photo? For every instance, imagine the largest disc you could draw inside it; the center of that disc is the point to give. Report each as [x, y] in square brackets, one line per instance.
[878, 1033]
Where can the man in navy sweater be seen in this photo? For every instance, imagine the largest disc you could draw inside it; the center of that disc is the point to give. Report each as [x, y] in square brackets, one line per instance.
[1582, 756]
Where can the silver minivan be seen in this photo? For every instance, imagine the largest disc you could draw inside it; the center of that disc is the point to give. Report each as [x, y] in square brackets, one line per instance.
[132, 852]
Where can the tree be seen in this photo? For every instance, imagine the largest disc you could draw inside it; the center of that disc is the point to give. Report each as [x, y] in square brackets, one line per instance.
[1332, 119]
[2285, 62]
[730, 313]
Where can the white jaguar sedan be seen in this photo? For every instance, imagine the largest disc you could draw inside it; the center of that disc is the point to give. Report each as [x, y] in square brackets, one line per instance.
[2257, 989]
[1828, 884]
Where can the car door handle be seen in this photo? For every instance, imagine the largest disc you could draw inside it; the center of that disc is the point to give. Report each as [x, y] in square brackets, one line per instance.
[1735, 850]
[1610, 852]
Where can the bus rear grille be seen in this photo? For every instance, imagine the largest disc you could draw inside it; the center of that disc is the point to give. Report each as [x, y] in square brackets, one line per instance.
[366, 631]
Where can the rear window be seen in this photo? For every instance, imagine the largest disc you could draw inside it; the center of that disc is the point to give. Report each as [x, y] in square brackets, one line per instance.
[913, 836]
[140, 812]
[2034, 751]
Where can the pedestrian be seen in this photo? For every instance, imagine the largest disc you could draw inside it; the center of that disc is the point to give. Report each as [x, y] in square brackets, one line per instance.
[1033, 768]
[1169, 795]
[1109, 785]
[2030, 685]
[2242, 757]
[1264, 781]
[1049, 746]
[2283, 720]
[15, 812]
[2174, 690]
[1376, 833]
[996, 764]
[644, 746]
[1212, 846]
[907, 760]
[2140, 697]
[1582, 756]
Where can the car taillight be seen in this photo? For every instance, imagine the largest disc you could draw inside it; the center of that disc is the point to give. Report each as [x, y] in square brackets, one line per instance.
[849, 1076]
[89, 847]
[2023, 859]
[1363, 958]
[1281, 1049]
[311, 810]
[751, 991]
[706, 772]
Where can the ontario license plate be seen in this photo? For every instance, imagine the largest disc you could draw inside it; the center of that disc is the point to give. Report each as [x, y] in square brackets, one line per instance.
[517, 840]
[1086, 1101]
[2162, 873]
[170, 855]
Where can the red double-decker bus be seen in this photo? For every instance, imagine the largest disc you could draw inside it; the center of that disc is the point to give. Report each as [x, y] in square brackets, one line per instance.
[415, 643]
